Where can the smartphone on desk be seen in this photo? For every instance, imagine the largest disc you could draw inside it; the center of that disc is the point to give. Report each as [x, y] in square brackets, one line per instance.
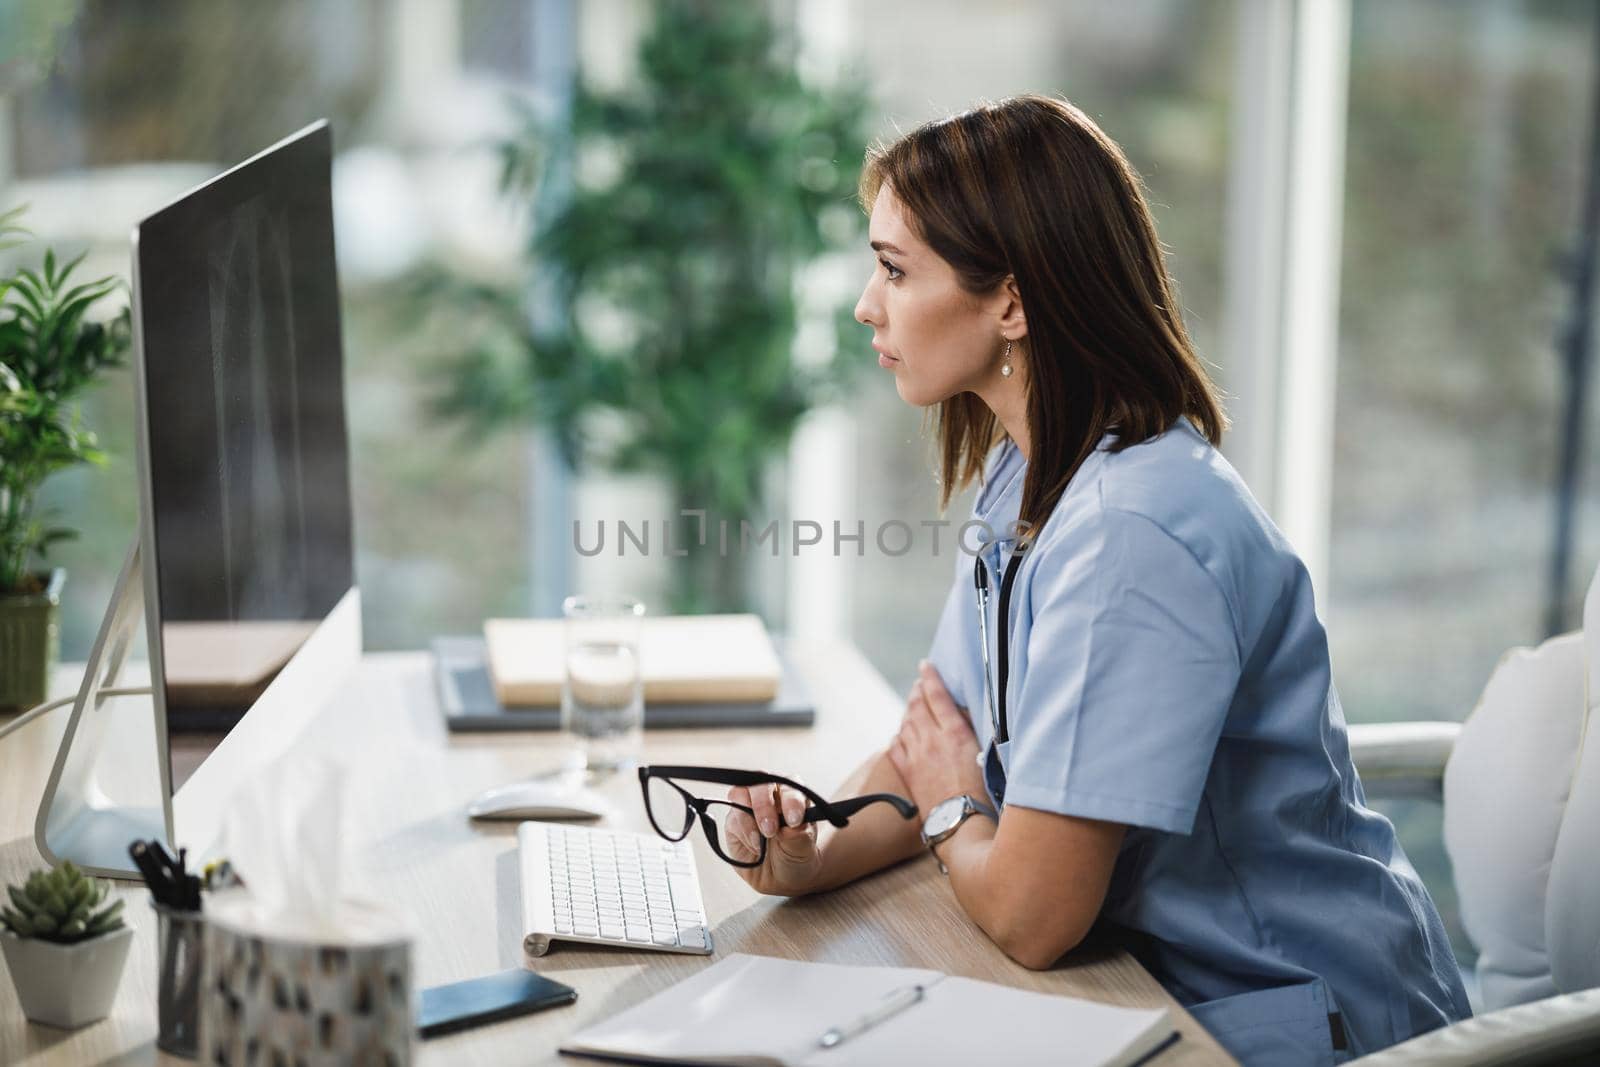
[463, 1005]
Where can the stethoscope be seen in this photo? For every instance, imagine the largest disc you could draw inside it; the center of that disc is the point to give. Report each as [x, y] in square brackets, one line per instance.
[996, 705]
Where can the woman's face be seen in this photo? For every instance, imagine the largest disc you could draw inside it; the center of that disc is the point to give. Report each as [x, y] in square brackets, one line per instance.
[936, 338]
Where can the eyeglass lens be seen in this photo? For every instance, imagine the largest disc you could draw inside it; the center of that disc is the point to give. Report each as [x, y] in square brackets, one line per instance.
[736, 838]
[731, 828]
[669, 809]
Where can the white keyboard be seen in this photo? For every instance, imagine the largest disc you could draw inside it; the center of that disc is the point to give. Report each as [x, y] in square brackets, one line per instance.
[609, 887]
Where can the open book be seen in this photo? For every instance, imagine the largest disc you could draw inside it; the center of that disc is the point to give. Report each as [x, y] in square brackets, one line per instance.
[781, 1013]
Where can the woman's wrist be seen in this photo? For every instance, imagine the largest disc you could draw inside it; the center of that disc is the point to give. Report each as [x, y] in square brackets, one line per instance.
[874, 839]
[820, 882]
[833, 860]
[866, 846]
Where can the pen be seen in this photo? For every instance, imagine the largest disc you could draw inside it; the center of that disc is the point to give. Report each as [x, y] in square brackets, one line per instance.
[894, 1003]
[169, 881]
[155, 874]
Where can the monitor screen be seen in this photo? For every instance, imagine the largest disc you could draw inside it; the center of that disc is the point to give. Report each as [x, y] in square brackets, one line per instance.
[243, 395]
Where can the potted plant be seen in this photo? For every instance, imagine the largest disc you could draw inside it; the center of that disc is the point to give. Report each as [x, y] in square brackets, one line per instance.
[50, 350]
[731, 175]
[64, 946]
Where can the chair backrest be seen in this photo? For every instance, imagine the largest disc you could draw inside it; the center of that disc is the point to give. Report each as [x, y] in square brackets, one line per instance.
[1572, 910]
[1509, 811]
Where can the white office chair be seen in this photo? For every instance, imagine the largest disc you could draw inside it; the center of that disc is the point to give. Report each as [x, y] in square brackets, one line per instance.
[1520, 783]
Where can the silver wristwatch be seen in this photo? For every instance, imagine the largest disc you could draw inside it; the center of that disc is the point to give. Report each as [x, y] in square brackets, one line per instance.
[946, 818]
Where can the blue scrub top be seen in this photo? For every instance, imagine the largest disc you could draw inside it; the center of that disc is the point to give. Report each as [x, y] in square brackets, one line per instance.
[1168, 671]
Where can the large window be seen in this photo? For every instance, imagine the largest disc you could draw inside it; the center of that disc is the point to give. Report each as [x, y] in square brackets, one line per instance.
[142, 102]
[1467, 148]
[1467, 132]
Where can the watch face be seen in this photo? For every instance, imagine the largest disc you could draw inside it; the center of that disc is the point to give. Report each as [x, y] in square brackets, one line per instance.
[945, 815]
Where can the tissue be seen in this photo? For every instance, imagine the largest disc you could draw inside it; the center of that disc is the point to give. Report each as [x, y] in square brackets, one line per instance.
[284, 835]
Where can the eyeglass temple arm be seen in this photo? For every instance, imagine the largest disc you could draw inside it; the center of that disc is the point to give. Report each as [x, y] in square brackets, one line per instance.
[838, 812]
[729, 776]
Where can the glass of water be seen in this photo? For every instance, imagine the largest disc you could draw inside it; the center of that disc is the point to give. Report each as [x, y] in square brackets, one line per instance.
[602, 690]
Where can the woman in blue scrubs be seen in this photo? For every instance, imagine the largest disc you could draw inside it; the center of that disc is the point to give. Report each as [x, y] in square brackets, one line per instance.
[1127, 720]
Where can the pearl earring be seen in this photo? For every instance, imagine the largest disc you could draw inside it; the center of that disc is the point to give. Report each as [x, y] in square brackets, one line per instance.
[1005, 367]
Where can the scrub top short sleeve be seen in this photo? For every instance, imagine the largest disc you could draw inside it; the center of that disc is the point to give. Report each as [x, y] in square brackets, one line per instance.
[1132, 664]
[951, 648]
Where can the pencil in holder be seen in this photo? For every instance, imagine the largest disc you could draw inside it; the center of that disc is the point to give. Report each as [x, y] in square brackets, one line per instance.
[180, 941]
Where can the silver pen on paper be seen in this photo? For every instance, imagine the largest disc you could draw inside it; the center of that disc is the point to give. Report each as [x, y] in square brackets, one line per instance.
[895, 1002]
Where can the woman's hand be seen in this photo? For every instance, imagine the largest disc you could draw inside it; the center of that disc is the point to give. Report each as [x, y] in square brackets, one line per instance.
[793, 864]
[936, 751]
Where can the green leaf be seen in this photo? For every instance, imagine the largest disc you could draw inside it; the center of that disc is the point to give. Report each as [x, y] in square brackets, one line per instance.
[109, 916]
[31, 289]
[70, 267]
[22, 925]
[23, 903]
[51, 348]
[11, 229]
[51, 901]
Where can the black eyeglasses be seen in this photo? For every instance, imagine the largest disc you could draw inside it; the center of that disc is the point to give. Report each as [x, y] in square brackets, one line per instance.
[673, 809]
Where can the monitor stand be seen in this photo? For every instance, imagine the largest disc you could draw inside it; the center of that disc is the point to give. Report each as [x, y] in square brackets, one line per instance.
[77, 821]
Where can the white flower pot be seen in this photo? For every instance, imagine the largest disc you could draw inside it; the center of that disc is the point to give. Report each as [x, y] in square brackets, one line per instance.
[66, 985]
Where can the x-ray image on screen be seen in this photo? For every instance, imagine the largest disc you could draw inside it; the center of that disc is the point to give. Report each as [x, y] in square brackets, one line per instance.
[255, 400]
[244, 380]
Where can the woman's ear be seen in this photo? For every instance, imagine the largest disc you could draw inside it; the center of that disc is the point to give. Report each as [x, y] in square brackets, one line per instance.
[1013, 320]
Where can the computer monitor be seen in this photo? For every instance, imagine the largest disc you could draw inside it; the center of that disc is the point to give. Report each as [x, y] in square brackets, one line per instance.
[244, 566]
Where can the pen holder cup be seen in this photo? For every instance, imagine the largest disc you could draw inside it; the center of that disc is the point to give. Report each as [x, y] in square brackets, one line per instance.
[180, 944]
[271, 996]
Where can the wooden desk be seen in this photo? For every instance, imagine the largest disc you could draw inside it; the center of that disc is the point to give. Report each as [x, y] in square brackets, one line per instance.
[411, 845]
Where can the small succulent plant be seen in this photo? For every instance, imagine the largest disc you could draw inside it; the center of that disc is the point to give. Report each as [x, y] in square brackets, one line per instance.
[63, 905]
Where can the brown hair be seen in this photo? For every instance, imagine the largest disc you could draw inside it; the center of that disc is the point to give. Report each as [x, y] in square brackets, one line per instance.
[1030, 187]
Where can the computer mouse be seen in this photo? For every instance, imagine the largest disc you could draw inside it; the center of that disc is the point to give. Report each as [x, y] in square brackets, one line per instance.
[540, 800]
